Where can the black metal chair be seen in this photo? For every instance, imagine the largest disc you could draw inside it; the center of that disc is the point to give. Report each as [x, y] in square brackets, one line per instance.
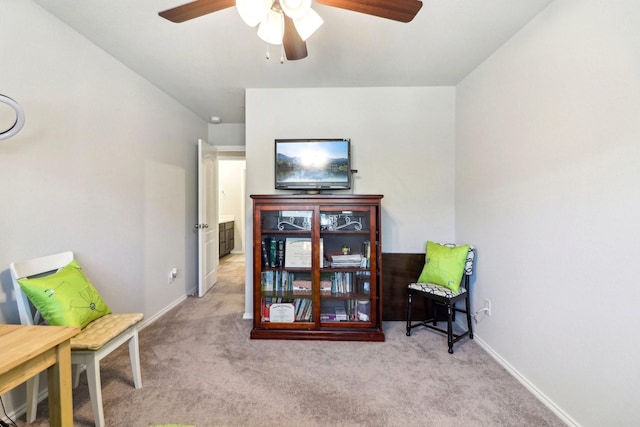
[441, 296]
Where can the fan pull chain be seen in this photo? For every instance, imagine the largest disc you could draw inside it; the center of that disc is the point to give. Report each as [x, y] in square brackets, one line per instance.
[268, 56]
[282, 41]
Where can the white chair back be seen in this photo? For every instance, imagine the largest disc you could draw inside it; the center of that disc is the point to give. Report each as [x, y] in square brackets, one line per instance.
[30, 268]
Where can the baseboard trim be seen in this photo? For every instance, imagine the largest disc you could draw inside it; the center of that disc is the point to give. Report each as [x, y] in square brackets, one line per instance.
[525, 382]
[19, 411]
[146, 322]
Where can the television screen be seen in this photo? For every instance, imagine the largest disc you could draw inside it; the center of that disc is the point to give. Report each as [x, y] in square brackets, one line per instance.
[313, 164]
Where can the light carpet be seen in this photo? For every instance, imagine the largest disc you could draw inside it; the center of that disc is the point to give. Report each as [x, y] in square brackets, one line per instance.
[200, 368]
[173, 425]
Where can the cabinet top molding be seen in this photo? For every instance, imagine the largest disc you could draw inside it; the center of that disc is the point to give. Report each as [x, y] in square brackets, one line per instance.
[307, 197]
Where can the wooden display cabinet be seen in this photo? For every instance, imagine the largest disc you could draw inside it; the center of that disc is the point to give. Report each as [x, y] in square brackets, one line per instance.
[317, 267]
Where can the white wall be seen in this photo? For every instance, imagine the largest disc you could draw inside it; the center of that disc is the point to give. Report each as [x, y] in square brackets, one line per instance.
[402, 141]
[227, 134]
[105, 166]
[548, 143]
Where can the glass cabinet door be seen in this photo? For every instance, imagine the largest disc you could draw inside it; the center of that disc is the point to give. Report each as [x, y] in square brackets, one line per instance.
[286, 278]
[345, 277]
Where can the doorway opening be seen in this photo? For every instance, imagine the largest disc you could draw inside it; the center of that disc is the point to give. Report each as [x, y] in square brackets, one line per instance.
[231, 202]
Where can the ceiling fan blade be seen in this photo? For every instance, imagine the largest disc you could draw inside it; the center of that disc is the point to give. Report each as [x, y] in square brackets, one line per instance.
[294, 47]
[397, 10]
[195, 9]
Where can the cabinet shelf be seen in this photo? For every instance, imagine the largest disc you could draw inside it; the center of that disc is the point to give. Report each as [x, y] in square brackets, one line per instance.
[292, 232]
[298, 294]
[330, 232]
[348, 296]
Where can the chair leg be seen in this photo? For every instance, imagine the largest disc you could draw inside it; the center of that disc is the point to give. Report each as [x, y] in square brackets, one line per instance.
[32, 398]
[469, 323]
[434, 307]
[75, 374]
[134, 355]
[409, 314]
[450, 327]
[95, 391]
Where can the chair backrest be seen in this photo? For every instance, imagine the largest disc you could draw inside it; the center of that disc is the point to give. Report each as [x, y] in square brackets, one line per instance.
[34, 267]
[471, 256]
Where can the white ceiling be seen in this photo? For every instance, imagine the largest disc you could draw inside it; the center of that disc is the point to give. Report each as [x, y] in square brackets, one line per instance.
[206, 63]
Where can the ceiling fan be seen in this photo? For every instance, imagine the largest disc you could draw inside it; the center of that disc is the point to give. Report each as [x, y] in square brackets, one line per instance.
[291, 22]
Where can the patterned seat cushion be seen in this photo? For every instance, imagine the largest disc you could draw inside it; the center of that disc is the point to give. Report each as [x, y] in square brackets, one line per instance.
[102, 330]
[432, 288]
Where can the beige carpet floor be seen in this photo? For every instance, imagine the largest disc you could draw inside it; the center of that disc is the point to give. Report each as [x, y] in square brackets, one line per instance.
[199, 367]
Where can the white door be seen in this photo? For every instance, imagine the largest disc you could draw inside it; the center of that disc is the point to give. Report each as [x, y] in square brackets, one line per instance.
[208, 239]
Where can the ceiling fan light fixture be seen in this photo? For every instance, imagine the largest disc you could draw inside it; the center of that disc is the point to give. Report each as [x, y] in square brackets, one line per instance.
[290, 23]
[271, 28]
[308, 24]
[295, 8]
[253, 12]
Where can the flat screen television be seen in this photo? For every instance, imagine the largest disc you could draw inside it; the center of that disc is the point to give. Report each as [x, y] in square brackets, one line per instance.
[311, 165]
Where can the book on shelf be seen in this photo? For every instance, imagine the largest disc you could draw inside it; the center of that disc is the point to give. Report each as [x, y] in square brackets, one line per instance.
[273, 252]
[283, 281]
[266, 303]
[301, 286]
[280, 254]
[265, 245]
[303, 309]
[350, 310]
[346, 261]
[308, 312]
[341, 283]
[325, 285]
[266, 280]
[276, 280]
[366, 254]
[327, 317]
[341, 314]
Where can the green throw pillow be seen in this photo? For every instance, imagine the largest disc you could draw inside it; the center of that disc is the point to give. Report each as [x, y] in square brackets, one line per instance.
[444, 265]
[66, 297]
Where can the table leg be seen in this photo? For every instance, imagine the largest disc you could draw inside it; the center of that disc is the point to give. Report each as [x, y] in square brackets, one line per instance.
[60, 397]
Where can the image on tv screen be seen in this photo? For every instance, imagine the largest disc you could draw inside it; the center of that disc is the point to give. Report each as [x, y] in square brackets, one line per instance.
[312, 162]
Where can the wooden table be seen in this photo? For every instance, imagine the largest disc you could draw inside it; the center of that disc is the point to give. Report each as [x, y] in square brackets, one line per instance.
[29, 350]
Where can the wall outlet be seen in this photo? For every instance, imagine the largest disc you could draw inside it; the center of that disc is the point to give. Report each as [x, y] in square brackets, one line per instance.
[173, 273]
[487, 306]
